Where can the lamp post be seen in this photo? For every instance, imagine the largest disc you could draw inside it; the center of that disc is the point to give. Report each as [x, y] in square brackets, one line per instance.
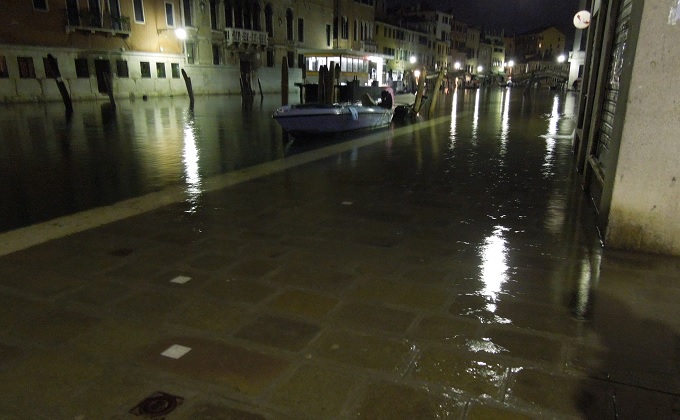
[510, 64]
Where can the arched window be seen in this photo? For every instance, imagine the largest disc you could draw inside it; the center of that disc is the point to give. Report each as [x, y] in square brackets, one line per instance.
[238, 14]
[228, 14]
[289, 25]
[269, 20]
[257, 19]
[248, 15]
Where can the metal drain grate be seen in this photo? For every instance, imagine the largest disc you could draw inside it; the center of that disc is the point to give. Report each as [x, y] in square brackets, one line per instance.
[158, 405]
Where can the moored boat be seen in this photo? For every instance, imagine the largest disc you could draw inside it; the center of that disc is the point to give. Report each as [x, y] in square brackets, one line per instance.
[310, 119]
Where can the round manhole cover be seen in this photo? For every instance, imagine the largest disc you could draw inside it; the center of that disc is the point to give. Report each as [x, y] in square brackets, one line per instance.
[159, 404]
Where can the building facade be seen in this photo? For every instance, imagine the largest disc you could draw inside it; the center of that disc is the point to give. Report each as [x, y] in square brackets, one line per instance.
[144, 45]
[406, 51]
[626, 138]
[540, 44]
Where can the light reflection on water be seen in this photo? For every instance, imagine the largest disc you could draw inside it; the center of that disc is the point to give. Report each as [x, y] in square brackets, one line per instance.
[475, 118]
[508, 156]
[52, 166]
[505, 122]
[454, 118]
[190, 159]
[550, 140]
[494, 266]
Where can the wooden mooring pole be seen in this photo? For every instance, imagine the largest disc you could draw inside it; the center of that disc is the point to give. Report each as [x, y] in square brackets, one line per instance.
[54, 67]
[284, 81]
[419, 94]
[108, 79]
[190, 89]
[435, 92]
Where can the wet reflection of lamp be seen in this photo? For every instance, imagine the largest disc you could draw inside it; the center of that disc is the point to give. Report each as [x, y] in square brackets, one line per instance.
[494, 266]
[190, 158]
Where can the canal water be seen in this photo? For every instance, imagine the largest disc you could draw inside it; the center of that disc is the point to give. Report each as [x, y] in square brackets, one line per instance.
[51, 165]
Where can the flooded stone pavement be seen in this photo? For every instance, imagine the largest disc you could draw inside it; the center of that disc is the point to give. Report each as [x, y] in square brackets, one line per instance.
[443, 269]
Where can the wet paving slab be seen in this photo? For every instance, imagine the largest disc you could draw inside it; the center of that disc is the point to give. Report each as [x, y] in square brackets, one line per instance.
[436, 270]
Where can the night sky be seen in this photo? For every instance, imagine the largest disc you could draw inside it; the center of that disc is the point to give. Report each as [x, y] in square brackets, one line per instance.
[515, 16]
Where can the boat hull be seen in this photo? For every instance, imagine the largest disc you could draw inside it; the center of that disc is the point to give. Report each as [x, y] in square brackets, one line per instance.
[330, 119]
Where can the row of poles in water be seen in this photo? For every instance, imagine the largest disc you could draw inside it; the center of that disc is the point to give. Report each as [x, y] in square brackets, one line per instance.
[329, 78]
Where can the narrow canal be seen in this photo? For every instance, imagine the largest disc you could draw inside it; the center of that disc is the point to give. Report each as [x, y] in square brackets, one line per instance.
[51, 166]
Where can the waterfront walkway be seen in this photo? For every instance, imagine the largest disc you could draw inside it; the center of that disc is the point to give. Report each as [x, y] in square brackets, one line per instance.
[438, 270]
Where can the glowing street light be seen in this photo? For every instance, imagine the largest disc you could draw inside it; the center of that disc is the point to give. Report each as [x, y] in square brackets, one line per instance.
[480, 69]
[181, 34]
[456, 65]
[582, 19]
[412, 59]
[562, 58]
[511, 63]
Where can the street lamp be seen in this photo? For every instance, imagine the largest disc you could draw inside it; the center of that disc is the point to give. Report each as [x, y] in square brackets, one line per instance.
[509, 65]
[456, 65]
[181, 34]
[412, 60]
[562, 58]
[480, 69]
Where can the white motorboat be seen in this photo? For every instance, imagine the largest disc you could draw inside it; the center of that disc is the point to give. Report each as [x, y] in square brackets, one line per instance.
[311, 119]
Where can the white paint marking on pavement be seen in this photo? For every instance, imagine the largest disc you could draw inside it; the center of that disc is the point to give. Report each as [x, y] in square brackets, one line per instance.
[176, 351]
[180, 279]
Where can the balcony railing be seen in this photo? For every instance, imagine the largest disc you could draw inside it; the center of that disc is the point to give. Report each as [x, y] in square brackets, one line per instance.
[369, 46]
[236, 36]
[84, 20]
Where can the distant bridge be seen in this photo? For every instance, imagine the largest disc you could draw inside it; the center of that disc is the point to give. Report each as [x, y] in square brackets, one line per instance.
[551, 76]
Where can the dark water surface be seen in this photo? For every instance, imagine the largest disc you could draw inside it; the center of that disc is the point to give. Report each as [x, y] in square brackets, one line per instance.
[51, 166]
